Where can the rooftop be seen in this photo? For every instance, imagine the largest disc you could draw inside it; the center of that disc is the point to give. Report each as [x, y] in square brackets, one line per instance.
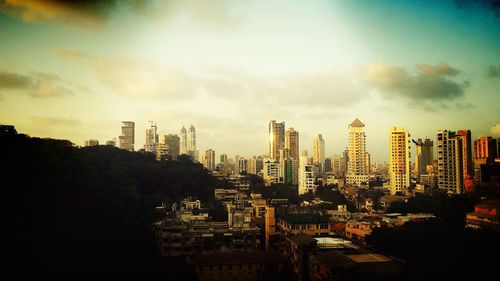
[356, 123]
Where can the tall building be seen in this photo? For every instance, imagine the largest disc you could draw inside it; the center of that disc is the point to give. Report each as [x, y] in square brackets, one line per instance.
[465, 138]
[209, 159]
[306, 176]
[127, 139]
[242, 165]
[184, 141]
[276, 139]
[223, 158]
[191, 140]
[319, 152]
[173, 143]
[356, 168]
[424, 157]
[368, 163]
[485, 153]
[328, 165]
[151, 138]
[255, 165]
[399, 160]
[91, 142]
[452, 153]
[336, 163]
[292, 143]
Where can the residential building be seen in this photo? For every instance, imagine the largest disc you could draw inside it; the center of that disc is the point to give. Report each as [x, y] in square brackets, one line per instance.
[209, 159]
[451, 152]
[127, 138]
[306, 176]
[319, 153]
[424, 157]
[356, 168]
[276, 139]
[91, 142]
[270, 172]
[399, 160]
[151, 138]
[292, 143]
[184, 141]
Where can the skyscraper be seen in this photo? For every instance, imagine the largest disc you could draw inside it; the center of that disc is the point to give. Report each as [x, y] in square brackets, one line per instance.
[319, 152]
[399, 160]
[356, 170]
[450, 154]
[209, 159]
[127, 139]
[191, 140]
[255, 165]
[184, 141]
[292, 143]
[465, 137]
[276, 139]
[151, 138]
[424, 155]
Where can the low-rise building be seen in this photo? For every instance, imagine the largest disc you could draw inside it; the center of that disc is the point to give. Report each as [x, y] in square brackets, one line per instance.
[485, 216]
[241, 266]
[312, 224]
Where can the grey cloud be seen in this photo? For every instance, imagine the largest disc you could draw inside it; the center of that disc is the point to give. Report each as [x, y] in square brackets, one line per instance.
[491, 5]
[95, 13]
[493, 71]
[432, 83]
[37, 85]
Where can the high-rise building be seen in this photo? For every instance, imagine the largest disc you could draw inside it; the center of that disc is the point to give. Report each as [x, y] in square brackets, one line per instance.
[356, 168]
[424, 155]
[328, 165]
[485, 153]
[451, 170]
[91, 142]
[468, 167]
[319, 152]
[276, 139]
[255, 165]
[127, 139]
[184, 141]
[292, 143]
[368, 163]
[399, 160]
[242, 165]
[209, 159]
[306, 176]
[191, 140]
[173, 143]
[223, 158]
[151, 138]
[336, 163]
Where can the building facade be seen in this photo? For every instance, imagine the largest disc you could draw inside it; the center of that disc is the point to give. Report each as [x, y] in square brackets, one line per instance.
[276, 139]
[399, 160]
[306, 176]
[356, 168]
[127, 138]
[319, 153]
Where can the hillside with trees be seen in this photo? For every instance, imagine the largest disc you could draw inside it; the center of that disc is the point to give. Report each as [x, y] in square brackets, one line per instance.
[90, 209]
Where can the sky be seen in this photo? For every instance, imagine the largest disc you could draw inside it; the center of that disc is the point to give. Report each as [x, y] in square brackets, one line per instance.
[75, 69]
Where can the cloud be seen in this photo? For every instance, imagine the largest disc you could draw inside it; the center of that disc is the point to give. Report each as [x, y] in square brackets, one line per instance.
[495, 130]
[428, 83]
[132, 77]
[44, 121]
[491, 5]
[37, 85]
[95, 13]
[493, 71]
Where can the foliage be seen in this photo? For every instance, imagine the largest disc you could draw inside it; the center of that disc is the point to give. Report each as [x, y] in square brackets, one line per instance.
[88, 209]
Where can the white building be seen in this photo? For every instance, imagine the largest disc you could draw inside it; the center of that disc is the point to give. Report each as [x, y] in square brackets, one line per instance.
[450, 162]
[270, 172]
[306, 176]
[276, 139]
[209, 159]
[399, 160]
[356, 168]
[151, 138]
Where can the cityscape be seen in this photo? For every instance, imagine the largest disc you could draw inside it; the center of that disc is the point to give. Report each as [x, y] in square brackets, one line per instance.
[250, 140]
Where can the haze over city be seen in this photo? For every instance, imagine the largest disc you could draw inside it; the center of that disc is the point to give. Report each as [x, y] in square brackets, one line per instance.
[74, 70]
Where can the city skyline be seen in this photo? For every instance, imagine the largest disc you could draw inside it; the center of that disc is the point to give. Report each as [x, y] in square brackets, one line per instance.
[75, 71]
